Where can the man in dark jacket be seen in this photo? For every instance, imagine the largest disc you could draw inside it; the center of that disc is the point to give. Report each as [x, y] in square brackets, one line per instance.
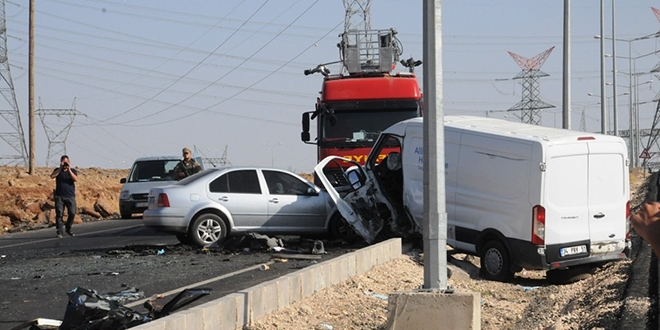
[65, 194]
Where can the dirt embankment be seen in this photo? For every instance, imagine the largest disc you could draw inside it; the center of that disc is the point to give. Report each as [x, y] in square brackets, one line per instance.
[26, 201]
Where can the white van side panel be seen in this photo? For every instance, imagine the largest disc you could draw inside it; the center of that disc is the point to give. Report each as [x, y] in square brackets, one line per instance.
[485, 200]
[452, 150]
[413, 171]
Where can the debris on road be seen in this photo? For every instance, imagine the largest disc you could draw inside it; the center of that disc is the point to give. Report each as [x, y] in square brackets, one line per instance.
[87, 309]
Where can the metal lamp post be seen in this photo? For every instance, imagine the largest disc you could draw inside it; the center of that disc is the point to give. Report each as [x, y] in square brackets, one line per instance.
[633, 123]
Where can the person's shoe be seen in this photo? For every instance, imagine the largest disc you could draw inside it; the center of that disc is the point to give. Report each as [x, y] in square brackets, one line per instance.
[59, 235]
[70, 233]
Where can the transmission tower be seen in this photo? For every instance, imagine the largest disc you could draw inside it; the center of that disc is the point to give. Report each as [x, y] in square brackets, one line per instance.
[57, 139]
[215, 161]
[358, 16]
[530, 105]
[14, 138]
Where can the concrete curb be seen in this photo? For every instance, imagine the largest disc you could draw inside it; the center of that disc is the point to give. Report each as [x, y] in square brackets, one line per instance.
[637, 302]
[247, 306]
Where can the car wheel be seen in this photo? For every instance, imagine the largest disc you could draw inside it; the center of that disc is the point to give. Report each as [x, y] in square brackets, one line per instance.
[207, 229]
[340, 229]
[495, 262]
[126, 215]
[184, 239]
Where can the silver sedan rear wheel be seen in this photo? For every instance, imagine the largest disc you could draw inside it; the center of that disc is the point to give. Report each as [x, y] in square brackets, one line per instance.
[207, 229]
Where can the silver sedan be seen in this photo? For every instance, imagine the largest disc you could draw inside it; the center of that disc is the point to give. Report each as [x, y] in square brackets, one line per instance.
[205, 208]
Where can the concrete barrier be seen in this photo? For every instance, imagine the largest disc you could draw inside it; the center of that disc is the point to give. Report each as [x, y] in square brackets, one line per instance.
[249, 305]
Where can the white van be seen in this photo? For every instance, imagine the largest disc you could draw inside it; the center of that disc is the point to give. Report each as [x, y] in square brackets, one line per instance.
[146, 173]
[517, 195]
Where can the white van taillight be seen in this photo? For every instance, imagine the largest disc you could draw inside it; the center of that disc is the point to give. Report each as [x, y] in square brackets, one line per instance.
[628, 220]
[538, 225]
[163, 201]
[586, 138]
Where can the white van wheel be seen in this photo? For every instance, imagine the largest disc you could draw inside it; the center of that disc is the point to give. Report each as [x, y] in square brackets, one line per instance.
[495, 262]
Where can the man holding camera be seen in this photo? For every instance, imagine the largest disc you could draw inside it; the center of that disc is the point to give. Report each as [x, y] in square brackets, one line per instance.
[65, 194]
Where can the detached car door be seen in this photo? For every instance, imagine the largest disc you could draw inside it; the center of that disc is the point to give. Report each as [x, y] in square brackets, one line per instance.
[359, 201]
[240, 193]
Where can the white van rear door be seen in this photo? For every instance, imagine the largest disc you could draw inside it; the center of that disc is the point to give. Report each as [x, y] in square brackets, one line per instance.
[585, 192]
[608, 191]
[566, 193]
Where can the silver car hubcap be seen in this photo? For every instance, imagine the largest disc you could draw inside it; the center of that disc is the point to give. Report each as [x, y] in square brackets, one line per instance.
[209, 231]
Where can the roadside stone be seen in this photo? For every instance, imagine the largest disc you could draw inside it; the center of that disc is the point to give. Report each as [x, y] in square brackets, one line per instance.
[90, 212]
[103, 207]
[14, 215]
[34, 208]
[5, 222]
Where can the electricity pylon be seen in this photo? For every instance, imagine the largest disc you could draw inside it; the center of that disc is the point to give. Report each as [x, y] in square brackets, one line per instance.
[531, 105]
[57, 139]
[357, 16]
[14, 138]
[215, 161]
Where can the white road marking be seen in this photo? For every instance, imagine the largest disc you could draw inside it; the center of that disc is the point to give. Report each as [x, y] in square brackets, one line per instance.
[171, 292]
[66, 235]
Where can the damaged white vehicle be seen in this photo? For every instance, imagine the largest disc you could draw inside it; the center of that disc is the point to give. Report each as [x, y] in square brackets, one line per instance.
[517, 195]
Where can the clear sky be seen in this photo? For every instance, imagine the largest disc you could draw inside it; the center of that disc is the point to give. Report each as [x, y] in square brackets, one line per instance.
[153, 76]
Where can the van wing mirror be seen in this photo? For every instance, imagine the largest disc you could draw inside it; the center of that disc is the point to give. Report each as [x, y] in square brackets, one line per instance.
[355, 178]
[122, 180]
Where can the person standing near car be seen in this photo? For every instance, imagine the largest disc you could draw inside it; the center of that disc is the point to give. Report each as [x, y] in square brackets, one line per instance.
[187, 166]
[65, 195]
[647, 224]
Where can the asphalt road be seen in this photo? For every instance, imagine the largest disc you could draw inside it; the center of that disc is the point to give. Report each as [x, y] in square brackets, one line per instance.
[37, 269]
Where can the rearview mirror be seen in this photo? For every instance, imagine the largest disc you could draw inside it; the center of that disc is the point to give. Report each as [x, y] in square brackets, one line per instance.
[355, 178]
[304, 136]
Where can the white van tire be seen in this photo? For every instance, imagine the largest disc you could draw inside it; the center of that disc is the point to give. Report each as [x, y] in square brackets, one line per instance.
[207, 229]
[570, 275]
[495, 262]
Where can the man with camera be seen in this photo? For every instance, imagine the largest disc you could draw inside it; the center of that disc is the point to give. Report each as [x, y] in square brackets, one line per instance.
[65, 194]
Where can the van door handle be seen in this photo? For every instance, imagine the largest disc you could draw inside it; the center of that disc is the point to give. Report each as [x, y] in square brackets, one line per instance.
[274, 200]
[599, 215]
[223, 199]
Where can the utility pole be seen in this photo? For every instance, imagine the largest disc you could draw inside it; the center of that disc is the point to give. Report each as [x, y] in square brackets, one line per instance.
[31, 90]
[566, 79]
[603, 106]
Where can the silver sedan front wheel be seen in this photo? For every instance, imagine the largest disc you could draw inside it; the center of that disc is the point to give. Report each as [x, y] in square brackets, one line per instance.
[207, 229]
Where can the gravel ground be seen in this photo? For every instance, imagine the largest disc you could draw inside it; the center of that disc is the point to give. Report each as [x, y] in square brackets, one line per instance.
[527, 302]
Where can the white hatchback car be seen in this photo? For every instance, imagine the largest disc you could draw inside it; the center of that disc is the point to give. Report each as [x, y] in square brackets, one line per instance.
[205, 208]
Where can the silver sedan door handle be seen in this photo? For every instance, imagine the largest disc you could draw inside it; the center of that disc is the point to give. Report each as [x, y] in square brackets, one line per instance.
[223, 199]
[274, 200]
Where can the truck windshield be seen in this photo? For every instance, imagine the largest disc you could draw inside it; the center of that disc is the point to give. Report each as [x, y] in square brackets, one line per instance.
[360, 128]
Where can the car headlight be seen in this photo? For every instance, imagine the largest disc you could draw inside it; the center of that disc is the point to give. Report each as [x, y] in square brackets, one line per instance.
[125, 194]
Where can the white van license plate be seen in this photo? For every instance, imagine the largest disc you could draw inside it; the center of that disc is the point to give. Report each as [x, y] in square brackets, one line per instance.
[567, 251]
